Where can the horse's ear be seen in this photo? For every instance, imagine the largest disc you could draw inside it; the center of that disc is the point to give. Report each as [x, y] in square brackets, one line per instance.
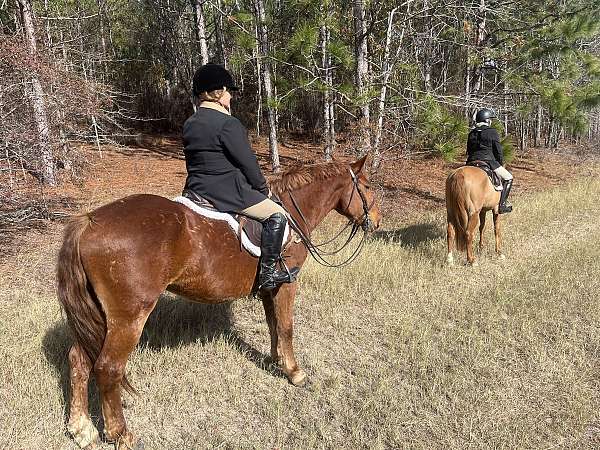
[357, 166]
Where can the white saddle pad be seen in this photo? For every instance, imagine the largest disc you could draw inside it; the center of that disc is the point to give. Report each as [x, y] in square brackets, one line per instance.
[233, 224]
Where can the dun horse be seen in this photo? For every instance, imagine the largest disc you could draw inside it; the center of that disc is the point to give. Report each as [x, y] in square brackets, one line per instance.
[469, 196]
[116, 261]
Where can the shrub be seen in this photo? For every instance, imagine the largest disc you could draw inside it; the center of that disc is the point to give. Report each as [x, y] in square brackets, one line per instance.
[438, 129]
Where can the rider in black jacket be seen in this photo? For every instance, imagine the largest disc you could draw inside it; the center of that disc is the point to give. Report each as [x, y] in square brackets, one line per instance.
[222, 168]
[483, 144]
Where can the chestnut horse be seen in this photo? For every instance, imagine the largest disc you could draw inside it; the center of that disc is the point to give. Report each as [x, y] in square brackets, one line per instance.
[469, 196]
[116, 261]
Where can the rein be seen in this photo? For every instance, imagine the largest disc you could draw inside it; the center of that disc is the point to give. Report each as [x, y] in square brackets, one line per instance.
[315, 249]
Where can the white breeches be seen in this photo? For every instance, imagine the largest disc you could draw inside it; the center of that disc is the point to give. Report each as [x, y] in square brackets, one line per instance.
[503, 173]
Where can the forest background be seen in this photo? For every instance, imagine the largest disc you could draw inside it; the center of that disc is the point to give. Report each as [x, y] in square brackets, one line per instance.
[394, 78]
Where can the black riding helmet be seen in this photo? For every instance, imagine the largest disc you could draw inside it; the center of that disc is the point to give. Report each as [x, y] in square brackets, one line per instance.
[210, 77]
[484, 114]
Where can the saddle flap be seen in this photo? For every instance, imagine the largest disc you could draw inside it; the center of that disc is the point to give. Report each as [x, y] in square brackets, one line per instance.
[251, 227]
[493, 176]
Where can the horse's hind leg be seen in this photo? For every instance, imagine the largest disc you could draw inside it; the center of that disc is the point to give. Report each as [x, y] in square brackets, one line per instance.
[482, 215]
[122, 335]
[471, 226]
[80, 425]
[451, 240]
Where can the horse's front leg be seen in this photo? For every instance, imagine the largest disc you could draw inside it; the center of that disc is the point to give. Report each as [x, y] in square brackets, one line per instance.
[269, 305]
[498, 234]
[482, 215]
[282, 323]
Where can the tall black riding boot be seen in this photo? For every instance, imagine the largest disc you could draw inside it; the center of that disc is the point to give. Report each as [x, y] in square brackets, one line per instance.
[270, 248]
[504, 206]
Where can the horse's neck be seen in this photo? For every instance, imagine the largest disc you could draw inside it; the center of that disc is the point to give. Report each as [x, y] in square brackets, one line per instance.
[315, 202]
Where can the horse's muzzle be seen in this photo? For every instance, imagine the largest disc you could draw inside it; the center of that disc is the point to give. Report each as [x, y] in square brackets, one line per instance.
[370, 224]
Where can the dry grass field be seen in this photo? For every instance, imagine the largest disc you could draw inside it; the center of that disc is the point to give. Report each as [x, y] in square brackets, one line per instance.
[403, 352]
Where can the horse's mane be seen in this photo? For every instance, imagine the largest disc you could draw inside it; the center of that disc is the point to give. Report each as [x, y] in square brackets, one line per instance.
[300, 176]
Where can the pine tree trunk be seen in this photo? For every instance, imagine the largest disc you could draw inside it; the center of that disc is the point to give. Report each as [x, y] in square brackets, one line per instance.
[362, 71]
[47, 26]
[104, 55]
[263, 38]
[468, 83]
[522, 135]
[427, 51]
[538, 125]
[220, 34]
[505, 92]
[259, 94]
[200, 29]
[539, 116]
[37, 99]
[328, 105]
[387, 70]
[477, 70]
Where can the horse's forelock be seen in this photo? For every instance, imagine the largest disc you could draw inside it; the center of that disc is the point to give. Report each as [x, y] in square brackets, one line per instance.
[300, 176]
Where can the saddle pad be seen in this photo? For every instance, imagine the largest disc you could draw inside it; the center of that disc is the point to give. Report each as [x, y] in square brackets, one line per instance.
[252, 247]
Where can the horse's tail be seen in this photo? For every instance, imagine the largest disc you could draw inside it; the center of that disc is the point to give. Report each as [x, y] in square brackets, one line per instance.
[84, 313]
[456, 199]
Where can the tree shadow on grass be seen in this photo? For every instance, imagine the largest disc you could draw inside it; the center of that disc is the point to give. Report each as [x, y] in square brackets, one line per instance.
[176, 321]
[173, 323]
[413, 236]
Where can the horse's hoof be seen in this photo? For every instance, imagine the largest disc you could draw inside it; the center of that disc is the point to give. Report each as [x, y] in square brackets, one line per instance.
[84, 433]
[137, 445]
[473, 263]
[129, 442]
[450, 259]
[299, 379]
[501, 256]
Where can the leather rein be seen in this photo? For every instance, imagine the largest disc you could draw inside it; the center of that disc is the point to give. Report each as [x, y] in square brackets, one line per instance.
[316, 250]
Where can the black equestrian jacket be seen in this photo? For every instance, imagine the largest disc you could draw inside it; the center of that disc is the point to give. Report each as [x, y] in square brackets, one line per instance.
[484, 144]
[220, 163]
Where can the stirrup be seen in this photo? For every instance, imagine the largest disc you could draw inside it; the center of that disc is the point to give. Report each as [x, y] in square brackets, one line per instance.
[505, 209]
[279, 277]
[291, 273]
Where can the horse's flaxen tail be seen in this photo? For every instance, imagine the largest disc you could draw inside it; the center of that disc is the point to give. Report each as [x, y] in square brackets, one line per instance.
[456, 207]
[84, 313]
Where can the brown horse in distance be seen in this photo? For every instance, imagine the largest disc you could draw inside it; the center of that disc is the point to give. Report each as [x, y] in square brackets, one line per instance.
[116, 261]
[469, 196]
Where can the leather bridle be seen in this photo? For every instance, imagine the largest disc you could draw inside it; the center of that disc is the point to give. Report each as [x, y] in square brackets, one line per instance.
[316, 250]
